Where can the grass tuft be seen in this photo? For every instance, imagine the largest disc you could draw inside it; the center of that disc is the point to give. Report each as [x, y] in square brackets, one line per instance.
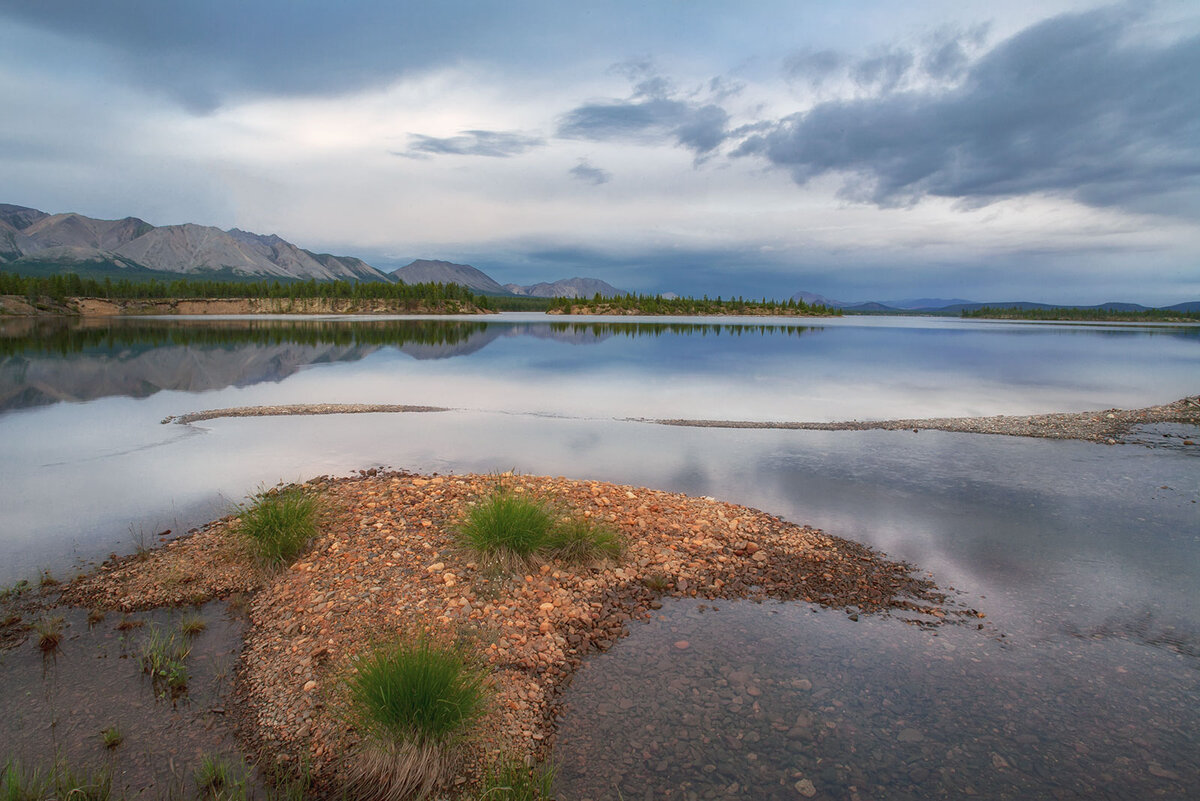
[192, 624]
[50, 633]
[510, 780]
[112, 737]
[14, 591]
[62, 781]
[280, 523]
[95, 616]
[516, 531]
[505, 524]
[413, 698]
[17, 784]
[580, 540]
[163, 655]
[415, 690]
[219, 780]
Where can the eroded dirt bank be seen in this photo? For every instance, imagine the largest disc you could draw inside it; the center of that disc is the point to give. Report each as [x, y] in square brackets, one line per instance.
[385, 562]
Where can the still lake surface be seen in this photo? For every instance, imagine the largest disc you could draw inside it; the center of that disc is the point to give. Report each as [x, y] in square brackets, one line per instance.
[1084, 682]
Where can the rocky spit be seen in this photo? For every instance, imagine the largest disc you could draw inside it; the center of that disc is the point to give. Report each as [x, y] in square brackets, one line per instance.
[1109, 426]
[385, 564]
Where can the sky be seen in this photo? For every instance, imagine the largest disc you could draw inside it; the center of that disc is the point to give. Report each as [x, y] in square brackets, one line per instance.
[1045, 151]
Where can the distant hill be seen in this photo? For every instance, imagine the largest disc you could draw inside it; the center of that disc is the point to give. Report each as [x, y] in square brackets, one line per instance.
[567, 288]
[952, 306]
[433, 271]
[813, 299]
[35, 242]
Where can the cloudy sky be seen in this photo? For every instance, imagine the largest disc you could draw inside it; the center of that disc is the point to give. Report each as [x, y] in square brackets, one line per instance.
[1043, 150]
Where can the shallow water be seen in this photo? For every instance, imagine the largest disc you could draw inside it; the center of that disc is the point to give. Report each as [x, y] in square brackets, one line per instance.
[58, 704]
[1085, 557]
[752, 701]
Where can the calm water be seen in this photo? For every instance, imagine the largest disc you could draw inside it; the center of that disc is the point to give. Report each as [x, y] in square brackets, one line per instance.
[1086, 558]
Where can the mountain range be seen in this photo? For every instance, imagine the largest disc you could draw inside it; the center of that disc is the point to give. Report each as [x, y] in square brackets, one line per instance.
[34, 242]
[957, 305]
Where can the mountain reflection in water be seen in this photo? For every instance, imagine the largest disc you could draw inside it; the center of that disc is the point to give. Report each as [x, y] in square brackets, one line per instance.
[50, 361]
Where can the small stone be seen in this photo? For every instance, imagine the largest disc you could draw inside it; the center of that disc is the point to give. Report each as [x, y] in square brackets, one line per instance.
[805, 788]
[682, 645]
[1162, 773]
[309, 686]
[999, 762]
[910, 736]
[760, 557]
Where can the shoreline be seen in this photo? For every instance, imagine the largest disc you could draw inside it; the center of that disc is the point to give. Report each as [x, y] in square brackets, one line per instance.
[385, 562]
[1108, 426]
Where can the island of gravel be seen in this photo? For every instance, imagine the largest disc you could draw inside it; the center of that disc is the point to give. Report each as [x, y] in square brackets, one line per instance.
[385, 562]
[1110, 426]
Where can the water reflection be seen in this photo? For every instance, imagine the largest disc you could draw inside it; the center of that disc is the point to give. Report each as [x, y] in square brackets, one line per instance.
[49, 361]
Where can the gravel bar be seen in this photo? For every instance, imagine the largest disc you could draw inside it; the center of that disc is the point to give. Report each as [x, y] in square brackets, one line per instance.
[1109, 426]
[300, 409]
[385, 563]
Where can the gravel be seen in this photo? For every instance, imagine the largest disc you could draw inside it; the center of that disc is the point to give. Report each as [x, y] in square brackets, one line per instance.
[385, 564]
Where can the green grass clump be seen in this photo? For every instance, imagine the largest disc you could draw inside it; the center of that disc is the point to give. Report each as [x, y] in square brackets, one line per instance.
[505, 523]
[112, 737]
[219, 780]
[413, 699]
[280, 523]
[581, 540]
[517, 531]
[510, 780]
[63, 781]
[163, 655]
[415, 690]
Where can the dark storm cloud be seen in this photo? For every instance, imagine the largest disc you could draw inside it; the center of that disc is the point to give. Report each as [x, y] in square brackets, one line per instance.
[815, 67]
[1067, 106]
[883, 70]
[654, 110]
[496, 144]
[593, 175]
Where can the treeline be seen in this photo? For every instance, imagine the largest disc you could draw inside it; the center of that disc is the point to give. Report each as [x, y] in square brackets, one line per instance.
[70, 285]
[656, 304]
[1068, 313]
[603, 330]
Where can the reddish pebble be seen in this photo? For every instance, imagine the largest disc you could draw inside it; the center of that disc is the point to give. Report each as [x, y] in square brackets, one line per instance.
[682, 644]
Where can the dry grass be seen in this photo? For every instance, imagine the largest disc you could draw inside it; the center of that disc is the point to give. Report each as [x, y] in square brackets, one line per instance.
[398, 770]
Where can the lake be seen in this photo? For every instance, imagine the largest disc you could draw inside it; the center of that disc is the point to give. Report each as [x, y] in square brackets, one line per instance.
[1085, 682]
